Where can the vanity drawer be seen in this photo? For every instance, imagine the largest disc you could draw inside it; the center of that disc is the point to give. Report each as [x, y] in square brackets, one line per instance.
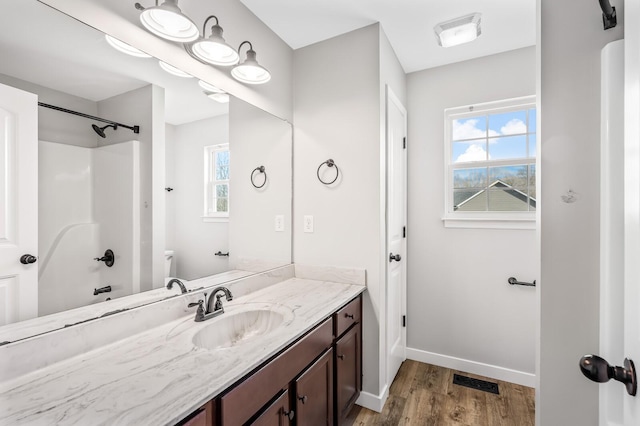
[241, 403]
[348, 316]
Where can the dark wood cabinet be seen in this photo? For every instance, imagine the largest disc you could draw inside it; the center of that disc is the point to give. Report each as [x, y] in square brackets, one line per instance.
[202, 417]
[314, 393]
[348, 371]
[277, 413]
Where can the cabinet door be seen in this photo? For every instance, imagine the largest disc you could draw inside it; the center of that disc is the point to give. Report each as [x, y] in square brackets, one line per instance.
[277, 414]
[348, 371]
[314, 393]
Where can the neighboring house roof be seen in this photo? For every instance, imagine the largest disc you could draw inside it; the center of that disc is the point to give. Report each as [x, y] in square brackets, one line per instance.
[504, 197]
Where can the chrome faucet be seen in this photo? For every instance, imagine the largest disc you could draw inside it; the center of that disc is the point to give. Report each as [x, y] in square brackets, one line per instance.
[170, 284]
[203, 314]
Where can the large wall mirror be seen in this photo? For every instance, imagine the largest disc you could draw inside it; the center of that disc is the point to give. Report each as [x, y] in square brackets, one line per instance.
[174, 200]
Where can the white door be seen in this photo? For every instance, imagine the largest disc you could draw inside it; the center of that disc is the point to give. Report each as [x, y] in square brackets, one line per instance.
[18, 204]
[396, 118]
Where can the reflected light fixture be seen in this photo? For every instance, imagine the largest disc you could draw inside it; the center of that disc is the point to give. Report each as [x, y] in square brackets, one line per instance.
[458, 31]
[214, 50]
[123, 47]
[173, 70]
[223, 98]
[209, 87]
[168, 21]
[250, 71]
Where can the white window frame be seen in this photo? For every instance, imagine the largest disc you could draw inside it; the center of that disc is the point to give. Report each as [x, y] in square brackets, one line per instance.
[484, 219]
[210, 181]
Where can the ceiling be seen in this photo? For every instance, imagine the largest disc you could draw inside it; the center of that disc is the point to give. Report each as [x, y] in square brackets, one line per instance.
[506, 25]
[76, 59]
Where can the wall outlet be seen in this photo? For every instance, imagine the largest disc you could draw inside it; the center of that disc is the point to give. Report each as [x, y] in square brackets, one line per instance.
[308, 223]
[279, 226]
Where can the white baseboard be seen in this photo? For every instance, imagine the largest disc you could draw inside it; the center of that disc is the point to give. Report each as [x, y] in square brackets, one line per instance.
[373, 402]
[473, 367]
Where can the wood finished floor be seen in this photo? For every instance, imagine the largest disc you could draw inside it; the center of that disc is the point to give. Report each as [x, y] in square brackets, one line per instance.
[424, 394]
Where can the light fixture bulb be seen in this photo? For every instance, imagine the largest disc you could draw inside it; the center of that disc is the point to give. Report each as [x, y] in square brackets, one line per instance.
[123, 47]
[209, 87]
[168, 21]
[250, 71]
[214, 50]
[458, 31]
[173, 70]
[223, 98]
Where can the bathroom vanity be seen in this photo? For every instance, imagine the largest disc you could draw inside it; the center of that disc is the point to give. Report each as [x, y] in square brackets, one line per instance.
[282, 353]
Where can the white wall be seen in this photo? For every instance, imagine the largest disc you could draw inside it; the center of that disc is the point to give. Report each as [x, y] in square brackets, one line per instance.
[122, 20]
[56, 126]
[257, 138]
[337, 116]
[459, 302]
[570, 38]
[195, 241]
[144, 107]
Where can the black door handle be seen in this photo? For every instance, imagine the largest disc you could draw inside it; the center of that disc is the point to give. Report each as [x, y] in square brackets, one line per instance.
[26, 259]
[393, 257]
[599, 370]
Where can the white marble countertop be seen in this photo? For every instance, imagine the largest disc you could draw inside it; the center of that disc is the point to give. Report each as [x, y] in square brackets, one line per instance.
[158, 377]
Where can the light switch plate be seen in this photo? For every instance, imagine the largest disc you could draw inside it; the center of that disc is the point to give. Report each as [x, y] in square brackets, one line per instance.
[279, 226]
[308, 223]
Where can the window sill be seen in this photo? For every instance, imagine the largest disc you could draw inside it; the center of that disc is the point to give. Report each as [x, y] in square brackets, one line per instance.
[492, 222]
[215, 219]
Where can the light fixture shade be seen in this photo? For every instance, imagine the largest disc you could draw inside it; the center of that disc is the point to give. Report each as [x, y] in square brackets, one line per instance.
[458, 31]
[214, 50]
[250, 71]
[210, 87]
[173, 70]
[123, 47]
[223, 98]
[168, 21]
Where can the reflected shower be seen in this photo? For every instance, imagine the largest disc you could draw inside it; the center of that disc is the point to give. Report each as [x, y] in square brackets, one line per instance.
[100, 130]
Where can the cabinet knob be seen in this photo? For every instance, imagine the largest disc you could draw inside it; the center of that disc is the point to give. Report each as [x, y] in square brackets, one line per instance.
[349, 316]
[290, 414]
[303, 398]
[341, 356]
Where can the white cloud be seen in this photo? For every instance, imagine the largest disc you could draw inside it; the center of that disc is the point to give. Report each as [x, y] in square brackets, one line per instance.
[468, 129]
[474, 152]
[514, 126]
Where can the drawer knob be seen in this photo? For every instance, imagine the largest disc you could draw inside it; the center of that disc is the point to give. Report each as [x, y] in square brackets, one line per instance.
[303, 398]
[349, 316]
[291, 414]
[341, 356]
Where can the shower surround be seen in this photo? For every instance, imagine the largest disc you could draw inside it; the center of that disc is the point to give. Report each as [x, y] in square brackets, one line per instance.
[89, 201]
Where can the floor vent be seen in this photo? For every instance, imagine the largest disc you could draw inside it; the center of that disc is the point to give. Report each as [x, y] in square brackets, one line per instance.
[475, 384]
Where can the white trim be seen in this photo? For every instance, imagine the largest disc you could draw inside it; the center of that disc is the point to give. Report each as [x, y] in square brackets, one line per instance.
[373, 402]
[473, 367]
[217, 219]
[489, 223]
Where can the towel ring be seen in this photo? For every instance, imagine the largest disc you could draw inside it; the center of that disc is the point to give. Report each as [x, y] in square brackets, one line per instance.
[261, 170]
[329, 163]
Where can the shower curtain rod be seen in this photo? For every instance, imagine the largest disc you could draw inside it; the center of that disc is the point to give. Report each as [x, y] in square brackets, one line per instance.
[136, 129]
[609, 19]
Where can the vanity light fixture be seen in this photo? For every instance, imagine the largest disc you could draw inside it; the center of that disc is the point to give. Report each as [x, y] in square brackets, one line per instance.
[214, 50]
[250, 71]
[458, 31]
[168, 21]
[209, 87]
[173, 70]
[123, 47]
[223, 98]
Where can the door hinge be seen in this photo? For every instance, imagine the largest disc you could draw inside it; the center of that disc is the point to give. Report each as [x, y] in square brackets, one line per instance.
[404, 143]
[404, 232]
[404, 320]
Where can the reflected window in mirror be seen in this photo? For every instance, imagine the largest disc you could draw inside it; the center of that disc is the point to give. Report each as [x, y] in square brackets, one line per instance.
[216, 163]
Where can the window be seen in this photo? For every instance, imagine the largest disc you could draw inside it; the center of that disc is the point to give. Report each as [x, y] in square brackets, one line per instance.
[216, 171]
[491, 164]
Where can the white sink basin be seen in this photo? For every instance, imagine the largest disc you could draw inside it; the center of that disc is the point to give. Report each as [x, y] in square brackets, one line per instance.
[238, 327]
